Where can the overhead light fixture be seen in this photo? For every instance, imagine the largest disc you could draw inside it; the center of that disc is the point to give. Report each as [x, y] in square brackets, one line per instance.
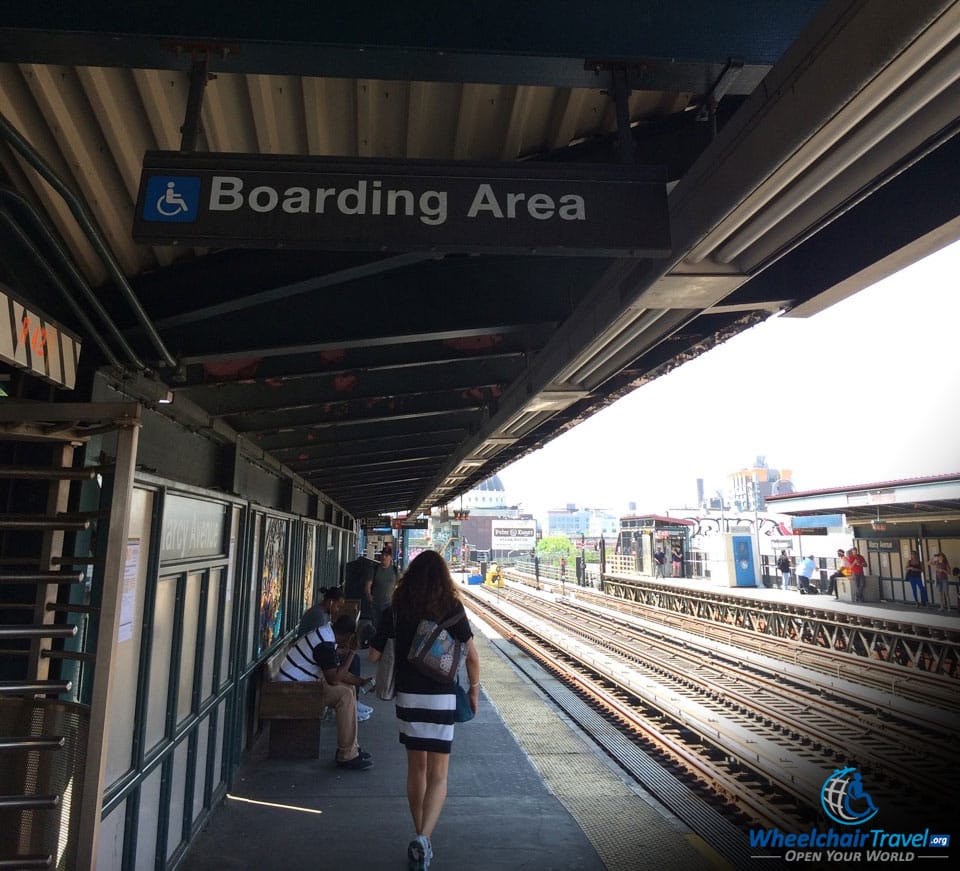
[166, 399]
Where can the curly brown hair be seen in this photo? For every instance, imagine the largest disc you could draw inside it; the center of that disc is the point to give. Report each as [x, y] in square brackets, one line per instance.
[426, 588]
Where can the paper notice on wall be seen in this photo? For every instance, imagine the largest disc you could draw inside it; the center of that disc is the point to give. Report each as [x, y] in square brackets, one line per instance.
[128, 601]
[233, 553]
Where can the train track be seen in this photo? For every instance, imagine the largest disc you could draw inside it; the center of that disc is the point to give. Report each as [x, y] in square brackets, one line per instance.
[900, 685]
[756, 734]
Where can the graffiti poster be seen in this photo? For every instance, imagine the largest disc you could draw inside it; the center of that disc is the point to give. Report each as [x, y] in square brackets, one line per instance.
[271, 580]
[309, 558]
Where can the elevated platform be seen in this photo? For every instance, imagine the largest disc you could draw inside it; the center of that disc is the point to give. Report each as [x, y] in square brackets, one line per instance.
[922, 638]
[525, 791]
[894, 611]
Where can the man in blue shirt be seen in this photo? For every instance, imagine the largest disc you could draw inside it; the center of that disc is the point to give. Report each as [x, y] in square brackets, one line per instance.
[805, 573]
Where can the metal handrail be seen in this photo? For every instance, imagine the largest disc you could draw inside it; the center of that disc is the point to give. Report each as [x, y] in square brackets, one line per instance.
[14, 742]
[45, 473]
[36, 522]
[29, 802]
[41, 577]
[17, 230]
[8, 631]
[87, 222]
[34, 688]
[22, 863]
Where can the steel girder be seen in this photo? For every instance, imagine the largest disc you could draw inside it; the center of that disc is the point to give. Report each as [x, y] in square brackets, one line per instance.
[913, 645]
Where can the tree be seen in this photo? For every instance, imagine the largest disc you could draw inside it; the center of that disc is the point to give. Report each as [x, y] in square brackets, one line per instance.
[554, 546]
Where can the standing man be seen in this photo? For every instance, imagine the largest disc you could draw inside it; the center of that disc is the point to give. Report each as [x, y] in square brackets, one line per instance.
[660, 562]
[785, 569]
[357, 574]
[805, 573]
[676, 558]
[857, 565]
[380, 587]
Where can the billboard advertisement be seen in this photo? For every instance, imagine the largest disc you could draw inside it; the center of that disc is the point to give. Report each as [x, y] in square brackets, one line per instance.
[513, 535]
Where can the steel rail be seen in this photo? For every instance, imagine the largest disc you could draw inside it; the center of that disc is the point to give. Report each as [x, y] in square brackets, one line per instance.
[820, 735]
[909, 683]
[727, 786]
[817, 713]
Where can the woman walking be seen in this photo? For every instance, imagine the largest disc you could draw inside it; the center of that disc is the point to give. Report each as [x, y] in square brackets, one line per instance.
[425, 707]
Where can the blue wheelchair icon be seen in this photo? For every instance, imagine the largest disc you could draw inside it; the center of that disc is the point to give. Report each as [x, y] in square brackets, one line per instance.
[172, 199]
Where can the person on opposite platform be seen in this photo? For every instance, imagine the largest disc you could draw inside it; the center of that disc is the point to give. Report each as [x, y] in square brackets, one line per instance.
[660, 563]
[785, 567]
[915, 577]
[940, 569]
[857, 565]
[843, 571]
[805, 573]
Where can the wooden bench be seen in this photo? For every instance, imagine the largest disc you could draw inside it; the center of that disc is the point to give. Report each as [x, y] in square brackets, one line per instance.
[294, 711]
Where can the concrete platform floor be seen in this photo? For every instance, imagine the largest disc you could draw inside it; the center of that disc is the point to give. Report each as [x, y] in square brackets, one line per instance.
[525, 791]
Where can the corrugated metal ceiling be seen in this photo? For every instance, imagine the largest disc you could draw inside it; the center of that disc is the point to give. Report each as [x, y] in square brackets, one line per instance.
[392, 380]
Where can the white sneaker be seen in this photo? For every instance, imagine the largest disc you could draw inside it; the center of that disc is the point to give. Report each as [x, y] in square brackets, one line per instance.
[362, 717]
[363, 710]
[419, 854]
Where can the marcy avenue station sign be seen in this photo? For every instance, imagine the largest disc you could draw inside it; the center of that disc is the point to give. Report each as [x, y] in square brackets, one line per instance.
[294, 202]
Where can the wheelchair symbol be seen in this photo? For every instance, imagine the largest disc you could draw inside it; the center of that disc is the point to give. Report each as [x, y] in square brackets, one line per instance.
[170, 203]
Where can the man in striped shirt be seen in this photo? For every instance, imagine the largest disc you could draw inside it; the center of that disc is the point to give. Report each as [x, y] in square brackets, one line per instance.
[313, 657]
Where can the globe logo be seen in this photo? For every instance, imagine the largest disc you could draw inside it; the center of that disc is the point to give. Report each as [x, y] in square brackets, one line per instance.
[844, 800]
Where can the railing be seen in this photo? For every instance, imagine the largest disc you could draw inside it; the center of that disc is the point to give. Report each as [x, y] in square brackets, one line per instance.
[698, 565]
[550, 568]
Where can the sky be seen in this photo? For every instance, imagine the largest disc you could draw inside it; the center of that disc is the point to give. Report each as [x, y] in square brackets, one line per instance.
[866, 391]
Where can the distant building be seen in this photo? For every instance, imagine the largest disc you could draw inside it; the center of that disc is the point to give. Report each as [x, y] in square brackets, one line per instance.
[591, 523]
[470, 519]
[488, 497]
[752, 486]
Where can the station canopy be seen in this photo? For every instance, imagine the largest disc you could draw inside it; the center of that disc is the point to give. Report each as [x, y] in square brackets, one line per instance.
[890, 504]
[395, 247]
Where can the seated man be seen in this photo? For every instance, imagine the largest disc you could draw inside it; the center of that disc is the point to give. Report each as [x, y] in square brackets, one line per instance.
[313, 657]
[843, 571]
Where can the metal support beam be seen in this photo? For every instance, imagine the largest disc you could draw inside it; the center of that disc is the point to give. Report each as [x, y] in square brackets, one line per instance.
[266, 297]
[199, 76]
[118, 527]
[871, 638]
[620, 90]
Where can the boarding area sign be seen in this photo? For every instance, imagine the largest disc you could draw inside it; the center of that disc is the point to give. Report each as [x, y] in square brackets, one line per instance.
[269, 201]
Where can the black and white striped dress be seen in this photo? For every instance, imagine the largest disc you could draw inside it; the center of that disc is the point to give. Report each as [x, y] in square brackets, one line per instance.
[425, 707]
